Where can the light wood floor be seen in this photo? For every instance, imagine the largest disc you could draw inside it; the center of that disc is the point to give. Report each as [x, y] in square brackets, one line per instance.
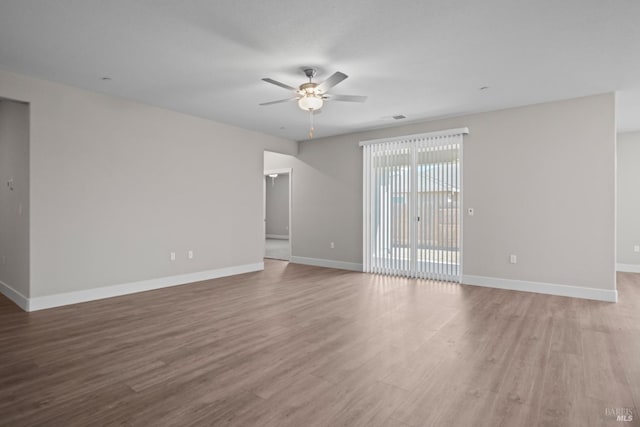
[306, 346]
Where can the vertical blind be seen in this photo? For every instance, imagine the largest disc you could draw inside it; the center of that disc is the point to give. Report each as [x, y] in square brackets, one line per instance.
[411, 205]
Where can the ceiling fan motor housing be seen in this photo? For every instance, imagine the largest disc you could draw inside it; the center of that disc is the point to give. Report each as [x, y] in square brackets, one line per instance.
[308, 89]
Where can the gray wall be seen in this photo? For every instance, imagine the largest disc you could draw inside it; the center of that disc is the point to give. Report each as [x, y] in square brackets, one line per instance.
[117, 185]
[14, 204]
[541, 179]
[277, 205]
[628, 198]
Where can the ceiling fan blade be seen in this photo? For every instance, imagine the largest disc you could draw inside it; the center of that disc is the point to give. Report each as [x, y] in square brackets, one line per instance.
[280, 101]
[346, 98]
[277, 83]
[335, 78]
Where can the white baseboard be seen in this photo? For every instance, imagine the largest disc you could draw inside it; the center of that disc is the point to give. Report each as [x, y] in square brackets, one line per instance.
[50, 301]
[628, 268]
[15, 296]
[318, 262]
[57, 300]
[278, 236]
[543, 288]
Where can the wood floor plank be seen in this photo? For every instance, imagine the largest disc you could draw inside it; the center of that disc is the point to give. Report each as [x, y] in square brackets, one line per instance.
[308, 346]
[628, 348]
[604, 374]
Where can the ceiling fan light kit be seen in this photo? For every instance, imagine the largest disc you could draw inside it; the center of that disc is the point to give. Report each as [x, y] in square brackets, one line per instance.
[311, 96]
[310, 102]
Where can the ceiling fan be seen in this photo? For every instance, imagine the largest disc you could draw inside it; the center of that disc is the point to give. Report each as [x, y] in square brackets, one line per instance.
[311, 96]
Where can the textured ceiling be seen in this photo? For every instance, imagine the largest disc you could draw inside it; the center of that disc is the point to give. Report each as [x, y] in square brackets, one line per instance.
[423, 59]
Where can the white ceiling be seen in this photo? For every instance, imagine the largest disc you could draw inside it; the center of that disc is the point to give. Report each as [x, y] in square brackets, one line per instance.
[424, 59]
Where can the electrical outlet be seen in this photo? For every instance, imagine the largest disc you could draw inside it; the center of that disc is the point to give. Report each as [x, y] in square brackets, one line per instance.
[513, 259]
[332, 245]
[190, 254]
[172, 256]
[636, 248]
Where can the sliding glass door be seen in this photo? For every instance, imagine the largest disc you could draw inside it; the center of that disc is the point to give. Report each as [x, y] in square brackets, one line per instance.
[437, 210]
[391, 219]
[411, 206]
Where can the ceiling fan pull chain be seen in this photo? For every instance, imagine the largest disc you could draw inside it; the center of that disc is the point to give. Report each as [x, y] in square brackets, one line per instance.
[311, 123]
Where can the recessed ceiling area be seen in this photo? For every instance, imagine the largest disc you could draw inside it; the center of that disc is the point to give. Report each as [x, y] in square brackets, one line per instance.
[426, 59]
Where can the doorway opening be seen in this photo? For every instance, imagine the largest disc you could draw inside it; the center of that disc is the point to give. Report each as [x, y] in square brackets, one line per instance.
[277, 214]
[14, 201]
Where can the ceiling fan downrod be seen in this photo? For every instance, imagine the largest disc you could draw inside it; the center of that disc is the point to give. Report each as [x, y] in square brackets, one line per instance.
[310, 73]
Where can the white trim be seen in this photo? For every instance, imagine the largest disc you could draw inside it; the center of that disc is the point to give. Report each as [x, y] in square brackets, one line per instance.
[628, 268]
[461, 211]
[278, 236]
[283, 171]
[15, 296]
[609, 295]
[328, 263]
[264, 212]
[448, 132]
[57, 300]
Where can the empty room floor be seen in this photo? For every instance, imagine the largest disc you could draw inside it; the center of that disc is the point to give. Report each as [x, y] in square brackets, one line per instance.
[306, 346]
